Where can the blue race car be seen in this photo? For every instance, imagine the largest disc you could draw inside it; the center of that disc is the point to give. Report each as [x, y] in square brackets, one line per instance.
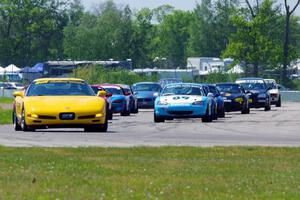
[219, 100]
[214, 105]
[182, 100]
[258, 91]
[144, 92]
[117, 96]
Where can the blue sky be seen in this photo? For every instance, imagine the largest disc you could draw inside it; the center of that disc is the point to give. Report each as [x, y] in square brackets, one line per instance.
[178, 4]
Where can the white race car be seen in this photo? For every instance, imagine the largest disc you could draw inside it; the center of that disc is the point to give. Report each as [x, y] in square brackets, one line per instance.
[274, 92]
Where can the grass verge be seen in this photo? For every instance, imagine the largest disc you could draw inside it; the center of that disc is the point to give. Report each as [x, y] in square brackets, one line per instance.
[150, 173]
[6, 100]
[5, 116]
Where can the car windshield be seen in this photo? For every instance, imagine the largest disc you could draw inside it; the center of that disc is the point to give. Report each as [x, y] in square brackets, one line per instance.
[113, 90]
[182, 90]
[253, 86]
[213, 90]
[235, 89]
[64, 88]
[147, 87]
[271, 85]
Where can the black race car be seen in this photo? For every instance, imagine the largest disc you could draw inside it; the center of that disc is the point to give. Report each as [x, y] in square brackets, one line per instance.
[234, 97]
[258, 92]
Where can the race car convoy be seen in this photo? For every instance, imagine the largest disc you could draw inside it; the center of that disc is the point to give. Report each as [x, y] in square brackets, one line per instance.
[71, 102]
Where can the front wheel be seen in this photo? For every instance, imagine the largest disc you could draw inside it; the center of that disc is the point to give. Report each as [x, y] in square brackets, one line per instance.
[207, 117]
[158, 119]
[278, 103]
[24, 126]
[126, 112]
[268, 107]
[98, 128]
[17, 126]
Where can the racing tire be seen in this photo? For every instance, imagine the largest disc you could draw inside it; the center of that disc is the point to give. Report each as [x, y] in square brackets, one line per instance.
[221, 113]
[278, 103]
[158, 119]
[207, 117]
[24, 126]
[98, 128]
[268, 107]
[109, 115]
[245, 110]
[17, 126]
[126, 112]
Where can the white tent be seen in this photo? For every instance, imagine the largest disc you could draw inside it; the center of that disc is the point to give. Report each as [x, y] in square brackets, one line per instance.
[237, 69]
[12, 69]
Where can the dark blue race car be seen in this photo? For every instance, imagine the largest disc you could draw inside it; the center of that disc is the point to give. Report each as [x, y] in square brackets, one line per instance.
[234, 97]
[144, 92]
[219, 100]
[258, 91]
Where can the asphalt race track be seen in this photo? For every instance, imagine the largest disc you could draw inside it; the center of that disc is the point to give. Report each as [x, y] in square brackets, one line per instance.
[278, 127]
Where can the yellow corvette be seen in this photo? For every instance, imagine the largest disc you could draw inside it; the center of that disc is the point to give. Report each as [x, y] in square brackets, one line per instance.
[59, 103]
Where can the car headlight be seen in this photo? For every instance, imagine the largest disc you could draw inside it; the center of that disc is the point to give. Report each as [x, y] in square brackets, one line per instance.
[162, 103]
[198, 103]
[263, 95]
[238, 99]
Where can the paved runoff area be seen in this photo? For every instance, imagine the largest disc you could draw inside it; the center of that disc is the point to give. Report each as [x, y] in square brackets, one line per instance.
[278, 127]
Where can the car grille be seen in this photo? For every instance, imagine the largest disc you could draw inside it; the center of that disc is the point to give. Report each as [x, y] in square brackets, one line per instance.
[273, 95]
[67, 116]
[180, 112]
[145, 100]
[46, 117]
[86, 117]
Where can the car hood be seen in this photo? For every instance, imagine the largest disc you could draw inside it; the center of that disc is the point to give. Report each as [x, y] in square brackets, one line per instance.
[181, 99]
[64, 104]
[231, 95]
[274, 91]
[144, 94]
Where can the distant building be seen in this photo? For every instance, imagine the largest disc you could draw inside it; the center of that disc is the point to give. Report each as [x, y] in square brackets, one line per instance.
[63, 68]
[169, 73]
[206, 65]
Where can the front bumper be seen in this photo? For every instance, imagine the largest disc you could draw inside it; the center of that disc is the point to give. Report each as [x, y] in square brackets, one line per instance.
[146, 102]
[231, 105]
[257, 102]
[180, 111]
[54, 120]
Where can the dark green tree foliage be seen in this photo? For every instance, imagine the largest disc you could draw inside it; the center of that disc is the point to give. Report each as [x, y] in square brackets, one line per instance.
[257, 39]
[31, 31]
[173, 37]
[211, 27]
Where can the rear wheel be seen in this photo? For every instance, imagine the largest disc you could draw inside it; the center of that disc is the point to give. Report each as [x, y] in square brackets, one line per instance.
[158, 119]
[278, 103]
[17, 126]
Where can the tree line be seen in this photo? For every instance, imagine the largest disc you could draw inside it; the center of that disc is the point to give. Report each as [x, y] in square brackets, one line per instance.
[252, 33]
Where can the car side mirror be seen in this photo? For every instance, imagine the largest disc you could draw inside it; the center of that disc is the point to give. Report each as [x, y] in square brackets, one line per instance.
[156, 94]
[109, 94]
[18, 94]
[211, 95]
[101, 93]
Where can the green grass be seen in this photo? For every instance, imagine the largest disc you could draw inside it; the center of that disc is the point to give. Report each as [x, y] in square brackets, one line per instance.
[150, 173]
[5, 116]
[6, 100]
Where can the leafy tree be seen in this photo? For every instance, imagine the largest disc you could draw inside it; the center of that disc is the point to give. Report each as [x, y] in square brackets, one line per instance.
[31, 30]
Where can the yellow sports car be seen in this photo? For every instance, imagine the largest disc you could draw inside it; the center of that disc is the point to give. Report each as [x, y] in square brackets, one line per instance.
[59, 103]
